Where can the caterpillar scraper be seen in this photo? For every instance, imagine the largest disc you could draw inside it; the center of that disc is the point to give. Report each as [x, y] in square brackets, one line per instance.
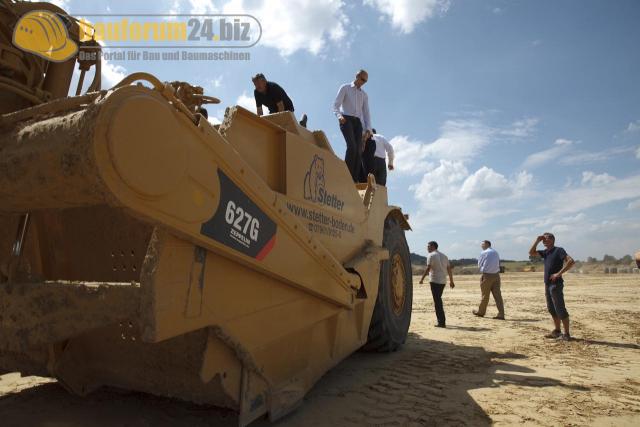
[143, 248]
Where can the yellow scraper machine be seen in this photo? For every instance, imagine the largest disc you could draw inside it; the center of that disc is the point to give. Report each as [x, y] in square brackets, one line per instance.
[143, 248]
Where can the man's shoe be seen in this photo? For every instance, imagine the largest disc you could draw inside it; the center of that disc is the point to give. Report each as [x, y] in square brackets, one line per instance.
[499, 317]
[303, 121]
[553, 334]
[475, 313]
[440, 325]
[564, 337]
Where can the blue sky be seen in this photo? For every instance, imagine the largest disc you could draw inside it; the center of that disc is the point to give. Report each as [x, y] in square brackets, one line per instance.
[509, 118]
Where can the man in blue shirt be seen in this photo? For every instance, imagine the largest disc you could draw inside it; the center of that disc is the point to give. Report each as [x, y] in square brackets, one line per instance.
[556, 263]
[489, 265]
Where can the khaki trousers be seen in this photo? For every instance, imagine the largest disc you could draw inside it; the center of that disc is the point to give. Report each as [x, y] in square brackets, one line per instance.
[490, 284]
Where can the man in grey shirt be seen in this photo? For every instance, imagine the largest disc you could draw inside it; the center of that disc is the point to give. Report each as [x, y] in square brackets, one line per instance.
[351, 107]
[437, 268]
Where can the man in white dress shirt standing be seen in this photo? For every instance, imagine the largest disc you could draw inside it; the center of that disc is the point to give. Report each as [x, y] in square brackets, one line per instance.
[375, 157]
[489, 265]
[351, 107]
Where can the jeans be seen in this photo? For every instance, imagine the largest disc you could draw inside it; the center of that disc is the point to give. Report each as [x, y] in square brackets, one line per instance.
[352, 132]
[436, 290]
[555, 299]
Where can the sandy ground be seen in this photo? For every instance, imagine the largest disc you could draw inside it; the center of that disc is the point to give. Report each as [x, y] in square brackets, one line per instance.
[478, 371]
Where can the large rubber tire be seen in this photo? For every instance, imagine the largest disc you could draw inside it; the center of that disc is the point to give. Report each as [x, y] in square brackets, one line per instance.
[392, 312]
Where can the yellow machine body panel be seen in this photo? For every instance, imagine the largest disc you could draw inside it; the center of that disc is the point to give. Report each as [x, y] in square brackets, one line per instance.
[264, 267]
[143, 248]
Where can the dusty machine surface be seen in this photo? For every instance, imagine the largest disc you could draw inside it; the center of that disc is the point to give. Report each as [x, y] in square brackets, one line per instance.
[143, 248]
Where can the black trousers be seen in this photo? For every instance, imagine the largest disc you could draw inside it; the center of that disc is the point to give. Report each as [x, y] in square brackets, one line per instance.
[436, 291]
[379, 170]
[352, 132]
[367, 158]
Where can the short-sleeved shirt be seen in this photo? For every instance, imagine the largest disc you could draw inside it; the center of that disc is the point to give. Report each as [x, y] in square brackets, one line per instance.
[272, 96]
[553, 262]
[439, 263]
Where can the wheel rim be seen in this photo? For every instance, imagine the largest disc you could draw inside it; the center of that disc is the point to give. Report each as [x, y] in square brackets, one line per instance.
[397, 284]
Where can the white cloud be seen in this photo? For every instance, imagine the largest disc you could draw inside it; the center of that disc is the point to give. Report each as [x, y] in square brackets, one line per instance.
[410, 155]
[520, 128]
[174, 9]
[590, 178]
[63, 4]
[497, 10]
[550, 220]
[214, 120]
[405, 15]
[638, 153]
[449, 194]
[192, 6]
[459, 140]
[217, 117]
[287, 25]
[111, 74]
[441, 181]
[486, 183]
[560, 147]
[247, 102]
[565, 152]
[217, 82]
[579, 234]
[202, 7]
[578, 227]
[588, 196]
[579, 157]
[293, 25]
[633, 126]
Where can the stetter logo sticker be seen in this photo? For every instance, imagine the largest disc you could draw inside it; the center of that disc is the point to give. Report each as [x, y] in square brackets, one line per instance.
[314, 186]
[239, 223]
[44, 33]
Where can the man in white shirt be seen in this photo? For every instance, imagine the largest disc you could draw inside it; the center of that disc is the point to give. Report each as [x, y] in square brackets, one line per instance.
[437, 268]
[378, 148]
[351, 107]
[489, 265]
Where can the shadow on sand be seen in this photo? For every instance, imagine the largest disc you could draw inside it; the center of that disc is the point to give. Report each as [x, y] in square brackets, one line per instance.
[522, 320]
[468, 328]
[607, 343]
[425, 383]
